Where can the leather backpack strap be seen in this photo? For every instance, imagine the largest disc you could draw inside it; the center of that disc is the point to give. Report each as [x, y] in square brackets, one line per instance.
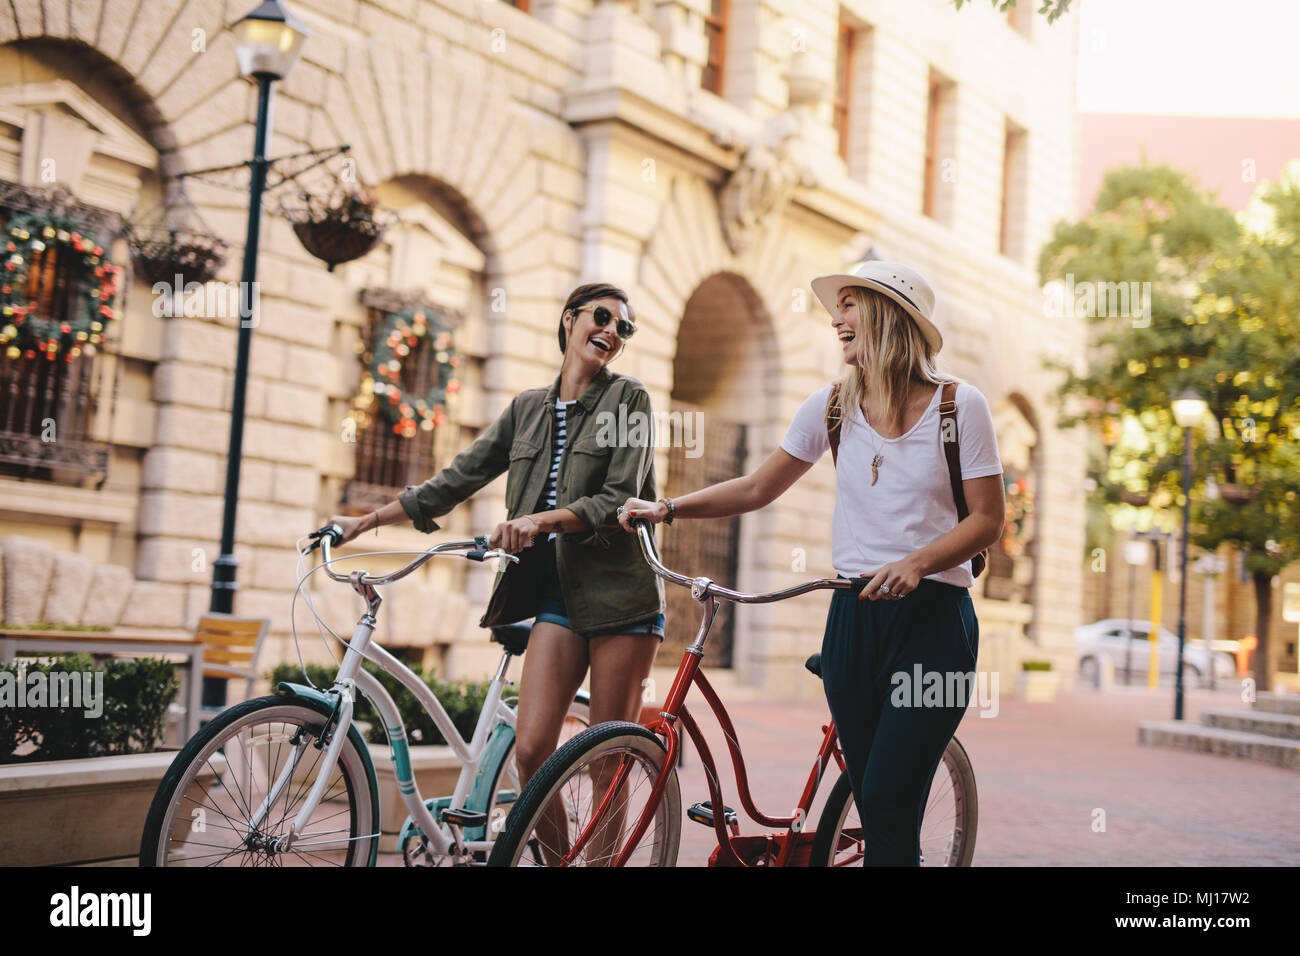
[833, 426]
[951, 446]
[948, 437]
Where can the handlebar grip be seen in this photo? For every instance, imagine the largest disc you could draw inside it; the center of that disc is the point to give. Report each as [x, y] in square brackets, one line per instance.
[334, 532]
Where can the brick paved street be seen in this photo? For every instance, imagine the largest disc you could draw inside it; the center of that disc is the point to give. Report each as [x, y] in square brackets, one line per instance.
[1041, 771]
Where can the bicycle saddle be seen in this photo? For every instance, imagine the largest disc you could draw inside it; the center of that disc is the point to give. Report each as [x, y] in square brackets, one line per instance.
[814, 665]
[513, 637]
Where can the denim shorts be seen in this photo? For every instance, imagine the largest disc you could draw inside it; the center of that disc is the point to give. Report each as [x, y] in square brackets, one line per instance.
[554, 612]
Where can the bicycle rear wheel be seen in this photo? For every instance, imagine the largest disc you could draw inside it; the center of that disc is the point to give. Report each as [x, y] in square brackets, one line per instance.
[217, 805]
[571, 802]
[947, 828]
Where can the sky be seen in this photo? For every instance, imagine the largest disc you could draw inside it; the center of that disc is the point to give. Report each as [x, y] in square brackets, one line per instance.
[1190, 57]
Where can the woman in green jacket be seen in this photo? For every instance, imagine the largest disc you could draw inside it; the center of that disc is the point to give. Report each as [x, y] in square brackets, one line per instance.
[572, 453]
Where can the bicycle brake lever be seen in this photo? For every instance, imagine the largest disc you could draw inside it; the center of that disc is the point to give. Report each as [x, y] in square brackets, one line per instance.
[485, 554]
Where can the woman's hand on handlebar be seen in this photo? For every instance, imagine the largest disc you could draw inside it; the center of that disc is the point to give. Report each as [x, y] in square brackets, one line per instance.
[652, 511]
[351, 526]
[513, 536]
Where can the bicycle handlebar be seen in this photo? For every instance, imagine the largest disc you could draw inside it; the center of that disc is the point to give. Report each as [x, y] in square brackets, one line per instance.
[702, 588]
[331, 534]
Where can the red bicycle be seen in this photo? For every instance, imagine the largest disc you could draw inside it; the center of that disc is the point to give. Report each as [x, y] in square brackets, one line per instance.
[610, 796]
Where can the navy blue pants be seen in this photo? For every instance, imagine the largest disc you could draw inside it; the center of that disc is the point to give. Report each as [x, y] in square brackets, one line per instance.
[892, 751]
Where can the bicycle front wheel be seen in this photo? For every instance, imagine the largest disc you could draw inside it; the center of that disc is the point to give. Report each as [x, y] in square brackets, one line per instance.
[232, 792]
[947, 828]
[581, 806]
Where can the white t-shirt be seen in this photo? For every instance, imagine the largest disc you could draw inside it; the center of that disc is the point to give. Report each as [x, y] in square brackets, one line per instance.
[911, 504]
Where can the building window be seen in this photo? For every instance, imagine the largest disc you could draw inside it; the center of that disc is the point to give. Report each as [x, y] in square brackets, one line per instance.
[47, 395]
[940, 174]
[1014, 182]
[408, 374]
[715, 30]
[1020, 20]
[843, 85]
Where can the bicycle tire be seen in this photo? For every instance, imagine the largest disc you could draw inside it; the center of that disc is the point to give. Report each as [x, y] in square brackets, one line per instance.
[354, 764]
[840, 801]
[579, 710]
[592, 744]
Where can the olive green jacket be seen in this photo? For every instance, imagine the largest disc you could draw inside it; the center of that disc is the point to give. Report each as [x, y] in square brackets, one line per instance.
[604, 578]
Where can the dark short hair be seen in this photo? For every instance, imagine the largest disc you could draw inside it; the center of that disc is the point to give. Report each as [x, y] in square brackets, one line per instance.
[589, 292]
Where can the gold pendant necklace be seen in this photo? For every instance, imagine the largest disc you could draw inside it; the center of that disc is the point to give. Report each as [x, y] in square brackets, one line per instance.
[876, 460]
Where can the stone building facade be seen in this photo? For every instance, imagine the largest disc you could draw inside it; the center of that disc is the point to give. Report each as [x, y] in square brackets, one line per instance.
[711, 158]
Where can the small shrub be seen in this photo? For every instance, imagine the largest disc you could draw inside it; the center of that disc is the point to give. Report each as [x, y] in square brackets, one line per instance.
[1035, 665]
[136, 693]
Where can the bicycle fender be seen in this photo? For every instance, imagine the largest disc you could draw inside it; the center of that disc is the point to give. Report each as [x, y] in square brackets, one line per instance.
[322, 701]
[485, 778]
[288, 689]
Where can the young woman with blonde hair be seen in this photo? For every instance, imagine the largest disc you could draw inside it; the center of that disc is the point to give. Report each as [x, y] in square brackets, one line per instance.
[898, 527]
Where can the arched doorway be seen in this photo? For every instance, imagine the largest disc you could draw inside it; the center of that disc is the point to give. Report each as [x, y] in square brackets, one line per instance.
[1011, 560]
[724, 379]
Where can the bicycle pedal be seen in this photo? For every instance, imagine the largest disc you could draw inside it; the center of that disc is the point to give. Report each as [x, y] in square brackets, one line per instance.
[465, 818]
[703, 813]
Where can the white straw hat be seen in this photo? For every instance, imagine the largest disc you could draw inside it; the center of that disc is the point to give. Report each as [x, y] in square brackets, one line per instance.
[904, 285]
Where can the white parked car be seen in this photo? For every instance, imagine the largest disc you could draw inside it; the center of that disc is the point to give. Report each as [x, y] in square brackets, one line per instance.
[1110, 638]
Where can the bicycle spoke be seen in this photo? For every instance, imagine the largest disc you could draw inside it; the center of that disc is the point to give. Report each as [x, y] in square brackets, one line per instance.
[259, 755]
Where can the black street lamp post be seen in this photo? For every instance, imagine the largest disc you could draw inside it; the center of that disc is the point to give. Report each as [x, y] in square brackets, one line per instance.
[1189, 408]
[268, 42]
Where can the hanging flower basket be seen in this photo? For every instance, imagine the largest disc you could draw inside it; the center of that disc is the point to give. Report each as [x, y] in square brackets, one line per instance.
[161, 255]
[339, 228]
[172, 240]
[1138, 499]
[1239, 495]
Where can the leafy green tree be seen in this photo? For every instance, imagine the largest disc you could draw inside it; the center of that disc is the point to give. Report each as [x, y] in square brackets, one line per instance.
[1220, 319]
[1052, 9]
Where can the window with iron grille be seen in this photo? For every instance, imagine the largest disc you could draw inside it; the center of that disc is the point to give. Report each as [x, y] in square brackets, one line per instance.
[715, 32]
[400, 405]
[843, 85]
[47, 395]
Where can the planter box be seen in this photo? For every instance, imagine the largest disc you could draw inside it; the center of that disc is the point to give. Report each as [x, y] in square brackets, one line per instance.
[1038, 686]
[435, 770]
[60, 812]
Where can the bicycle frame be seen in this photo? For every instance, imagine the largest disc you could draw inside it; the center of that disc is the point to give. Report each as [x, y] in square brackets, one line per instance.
[496, 720]
[688, 675]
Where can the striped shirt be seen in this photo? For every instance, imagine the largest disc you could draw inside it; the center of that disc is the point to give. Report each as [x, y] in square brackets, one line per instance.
[561, 436]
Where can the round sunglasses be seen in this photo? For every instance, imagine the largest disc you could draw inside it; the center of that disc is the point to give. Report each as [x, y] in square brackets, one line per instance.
[602, 315]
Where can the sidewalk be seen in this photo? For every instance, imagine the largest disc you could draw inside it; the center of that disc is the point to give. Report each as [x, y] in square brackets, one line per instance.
[1042, 771]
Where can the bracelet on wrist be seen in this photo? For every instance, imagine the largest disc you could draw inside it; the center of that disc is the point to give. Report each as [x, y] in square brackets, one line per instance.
[672, 510]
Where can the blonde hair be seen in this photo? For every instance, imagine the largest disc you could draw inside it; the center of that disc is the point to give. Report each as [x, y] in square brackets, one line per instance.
[891, 354]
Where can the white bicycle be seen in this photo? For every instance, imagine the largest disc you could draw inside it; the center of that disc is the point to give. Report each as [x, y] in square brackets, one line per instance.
[287, 779]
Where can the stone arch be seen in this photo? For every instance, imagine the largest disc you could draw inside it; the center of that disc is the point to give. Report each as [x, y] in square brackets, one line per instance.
[134, 53]
[402, 121]
[684, 250]
[686, 247]
[725, 388]
[384, 100]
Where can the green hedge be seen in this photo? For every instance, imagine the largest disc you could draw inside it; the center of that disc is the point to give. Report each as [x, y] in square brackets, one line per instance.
[462, 699]
[136, 694]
